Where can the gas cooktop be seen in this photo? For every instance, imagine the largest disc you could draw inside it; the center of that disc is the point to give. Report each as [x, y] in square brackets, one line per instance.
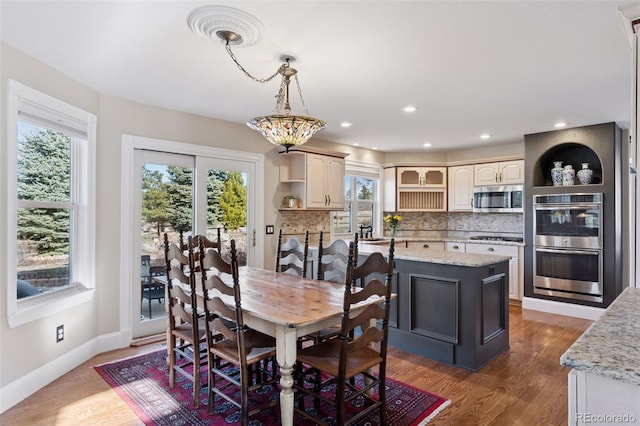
[494, 238]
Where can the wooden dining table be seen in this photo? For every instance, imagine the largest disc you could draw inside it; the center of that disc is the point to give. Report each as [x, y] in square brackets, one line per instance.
[287, 307]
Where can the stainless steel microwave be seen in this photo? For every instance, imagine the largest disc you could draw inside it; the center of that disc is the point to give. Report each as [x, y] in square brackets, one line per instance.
[497, 199]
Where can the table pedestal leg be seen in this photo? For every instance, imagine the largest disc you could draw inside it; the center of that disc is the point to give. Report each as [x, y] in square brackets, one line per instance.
[286, 356]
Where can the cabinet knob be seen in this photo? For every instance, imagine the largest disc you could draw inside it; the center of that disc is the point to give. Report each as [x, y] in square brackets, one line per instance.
[425, 246]
[456, 247]
[490, 249]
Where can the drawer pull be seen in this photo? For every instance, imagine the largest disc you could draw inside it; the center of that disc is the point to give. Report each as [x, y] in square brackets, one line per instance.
[425, 246]
[456, 248]
[490, 249]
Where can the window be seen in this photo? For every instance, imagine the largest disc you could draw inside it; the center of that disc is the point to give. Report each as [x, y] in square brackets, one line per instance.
[50, 167]
[361, 206]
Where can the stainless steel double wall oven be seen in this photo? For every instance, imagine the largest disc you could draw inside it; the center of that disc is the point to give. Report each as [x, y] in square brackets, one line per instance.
[568, 243]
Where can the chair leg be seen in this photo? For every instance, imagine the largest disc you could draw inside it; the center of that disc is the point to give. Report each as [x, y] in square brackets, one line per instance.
[196, 375]
[172, 360]
[150, 314]
[340, 401]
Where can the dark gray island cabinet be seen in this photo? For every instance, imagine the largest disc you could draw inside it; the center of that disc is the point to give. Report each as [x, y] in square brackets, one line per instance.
[450, 307]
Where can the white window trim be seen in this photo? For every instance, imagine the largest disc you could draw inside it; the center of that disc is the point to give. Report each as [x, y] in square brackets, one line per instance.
[367, 170]
[31, 309]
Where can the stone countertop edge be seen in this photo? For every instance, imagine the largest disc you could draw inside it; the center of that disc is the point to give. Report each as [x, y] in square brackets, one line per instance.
[435, 256]
[610, 347]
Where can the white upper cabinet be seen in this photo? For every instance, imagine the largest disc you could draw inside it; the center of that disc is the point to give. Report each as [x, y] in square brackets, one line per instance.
[317, 181]
[502, 173]
[325, 182]
[461, 188]
[422, 177]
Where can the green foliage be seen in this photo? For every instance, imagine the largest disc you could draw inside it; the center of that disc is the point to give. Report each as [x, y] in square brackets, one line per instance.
[155, 199]
[233, 202]
[180, 190]
[365, 188]
[44, 174]
[215, 183]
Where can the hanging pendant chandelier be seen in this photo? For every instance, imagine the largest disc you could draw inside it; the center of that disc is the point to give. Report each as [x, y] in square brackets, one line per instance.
[282, 128]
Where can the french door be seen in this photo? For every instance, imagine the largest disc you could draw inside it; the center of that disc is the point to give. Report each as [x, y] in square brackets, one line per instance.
[196, 194]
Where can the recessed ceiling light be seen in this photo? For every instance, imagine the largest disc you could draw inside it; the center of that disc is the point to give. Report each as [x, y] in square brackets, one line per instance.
[427, 145]
[410, 108]
[356, 144]
[346, 124]
[375, 147]
[560, 124]
[485, 136]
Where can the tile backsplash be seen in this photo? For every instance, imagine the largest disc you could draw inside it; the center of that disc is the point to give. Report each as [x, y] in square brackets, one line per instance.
[414, 224]
[426, 224]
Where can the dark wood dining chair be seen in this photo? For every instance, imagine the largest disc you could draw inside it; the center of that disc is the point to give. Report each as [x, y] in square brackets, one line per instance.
[335, 362]
[291, 256]
[333, 259]
[153, 290]
[237, 355]
[332, 266]
[185, 334]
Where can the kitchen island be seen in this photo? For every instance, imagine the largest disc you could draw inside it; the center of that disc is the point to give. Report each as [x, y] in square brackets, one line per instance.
[450, 307]
[604, 383]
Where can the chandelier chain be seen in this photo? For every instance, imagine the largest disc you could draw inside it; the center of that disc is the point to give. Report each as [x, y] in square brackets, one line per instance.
[306, 111]
[257, 80]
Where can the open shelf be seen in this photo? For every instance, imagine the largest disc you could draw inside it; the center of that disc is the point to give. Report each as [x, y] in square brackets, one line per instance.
[569, 153]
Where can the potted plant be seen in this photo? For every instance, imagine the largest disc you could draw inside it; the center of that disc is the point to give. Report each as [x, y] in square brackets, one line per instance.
[290, 201]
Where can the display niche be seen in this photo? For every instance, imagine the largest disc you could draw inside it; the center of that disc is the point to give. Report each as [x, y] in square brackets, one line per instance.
[569, 153]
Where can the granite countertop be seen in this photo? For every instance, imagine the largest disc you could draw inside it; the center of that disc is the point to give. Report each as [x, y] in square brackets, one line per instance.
[610, 347]
[435, 256]
[384, 240]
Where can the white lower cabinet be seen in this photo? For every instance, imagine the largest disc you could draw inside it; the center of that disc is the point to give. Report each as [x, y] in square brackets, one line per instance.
[455, 246]
[597, 400]
[516, 271]
[426, 245]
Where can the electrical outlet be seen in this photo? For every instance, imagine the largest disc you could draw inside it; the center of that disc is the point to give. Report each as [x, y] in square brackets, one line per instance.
[59, 333]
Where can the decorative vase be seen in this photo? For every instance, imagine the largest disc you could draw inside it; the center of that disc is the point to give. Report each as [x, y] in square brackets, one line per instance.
[556, 173]
[568, 175]
[585, 174]
[393, 232]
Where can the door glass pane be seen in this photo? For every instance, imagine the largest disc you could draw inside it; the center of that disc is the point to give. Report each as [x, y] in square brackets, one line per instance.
[227, 210]
[167, 206]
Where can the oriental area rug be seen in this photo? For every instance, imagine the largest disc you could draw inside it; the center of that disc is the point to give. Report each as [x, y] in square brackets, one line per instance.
[143, 383]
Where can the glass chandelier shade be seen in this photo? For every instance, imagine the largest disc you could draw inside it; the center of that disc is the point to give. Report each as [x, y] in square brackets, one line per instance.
[286, 130]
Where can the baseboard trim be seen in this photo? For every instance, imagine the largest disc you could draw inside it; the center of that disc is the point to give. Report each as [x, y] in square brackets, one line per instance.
[561, 308]
[19, 389]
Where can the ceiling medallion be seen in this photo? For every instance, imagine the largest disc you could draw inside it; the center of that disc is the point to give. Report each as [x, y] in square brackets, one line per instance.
[207, 21]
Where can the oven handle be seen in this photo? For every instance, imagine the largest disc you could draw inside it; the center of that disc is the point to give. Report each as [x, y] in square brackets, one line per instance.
[560, 251]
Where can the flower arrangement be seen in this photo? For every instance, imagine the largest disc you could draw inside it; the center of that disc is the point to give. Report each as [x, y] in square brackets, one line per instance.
[393, 221]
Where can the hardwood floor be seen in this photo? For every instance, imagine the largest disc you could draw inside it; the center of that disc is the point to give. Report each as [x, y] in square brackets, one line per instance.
[525, 385]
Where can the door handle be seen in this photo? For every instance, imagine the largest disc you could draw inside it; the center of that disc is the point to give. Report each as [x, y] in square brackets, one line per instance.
[253, 239]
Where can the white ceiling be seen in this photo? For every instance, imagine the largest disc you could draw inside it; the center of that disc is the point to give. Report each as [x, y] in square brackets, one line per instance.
[505, 68]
